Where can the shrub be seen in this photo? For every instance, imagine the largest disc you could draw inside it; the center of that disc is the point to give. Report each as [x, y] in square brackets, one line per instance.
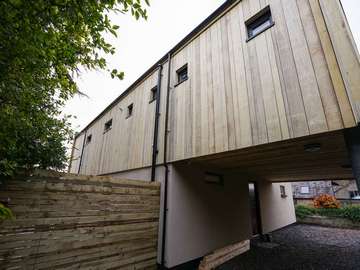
[326, 201]
[302, 211]
[352, 213]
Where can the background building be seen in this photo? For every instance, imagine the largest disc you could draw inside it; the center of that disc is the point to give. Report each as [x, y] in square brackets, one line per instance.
[344, 190]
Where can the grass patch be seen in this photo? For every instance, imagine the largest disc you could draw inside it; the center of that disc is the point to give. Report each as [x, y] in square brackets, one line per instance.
[349, 212]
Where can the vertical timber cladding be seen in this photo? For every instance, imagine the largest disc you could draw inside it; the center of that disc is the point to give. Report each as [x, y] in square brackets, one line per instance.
[79, 222]
[128, 144]
[284, 83]
[290, 81]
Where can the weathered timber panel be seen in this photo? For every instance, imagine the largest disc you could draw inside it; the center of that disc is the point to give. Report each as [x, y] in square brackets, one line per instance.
[78, 222]
[274, 87]
[295, 79]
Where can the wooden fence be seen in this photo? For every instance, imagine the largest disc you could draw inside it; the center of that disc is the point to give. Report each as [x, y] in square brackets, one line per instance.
[79, 222]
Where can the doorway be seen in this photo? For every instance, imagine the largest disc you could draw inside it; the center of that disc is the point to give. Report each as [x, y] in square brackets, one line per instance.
[254, 208]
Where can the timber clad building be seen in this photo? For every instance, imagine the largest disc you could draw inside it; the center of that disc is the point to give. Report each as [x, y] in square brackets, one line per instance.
[261, 92]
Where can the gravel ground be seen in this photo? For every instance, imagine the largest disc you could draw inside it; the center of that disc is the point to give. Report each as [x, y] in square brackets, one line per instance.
[302, 247]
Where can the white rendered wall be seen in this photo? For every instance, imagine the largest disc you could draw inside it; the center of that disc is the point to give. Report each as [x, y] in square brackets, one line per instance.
[204, 217]
[276, 212]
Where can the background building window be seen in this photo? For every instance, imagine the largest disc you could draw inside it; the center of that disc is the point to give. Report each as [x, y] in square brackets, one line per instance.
[304, 190]
[153, 94]
[130, 110]
[108, 125]
[354, 194]
[283, 191]
[259, 23]
[182, 74]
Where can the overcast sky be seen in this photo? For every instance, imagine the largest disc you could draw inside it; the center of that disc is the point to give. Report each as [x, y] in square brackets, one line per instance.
[142, 43]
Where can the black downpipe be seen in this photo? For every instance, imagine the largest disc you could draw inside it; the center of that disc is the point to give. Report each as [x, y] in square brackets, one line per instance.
[155, 149]
[82, 151]
[165, 165]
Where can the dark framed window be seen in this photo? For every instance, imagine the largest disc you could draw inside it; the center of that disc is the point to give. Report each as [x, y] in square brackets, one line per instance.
[130, 110]
[153, 94]
[182, 74]
[282, 191]
[259, 23]
[88, 139]
[108, 125]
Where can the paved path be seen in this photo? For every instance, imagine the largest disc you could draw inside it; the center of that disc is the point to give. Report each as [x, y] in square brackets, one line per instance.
[302, 247]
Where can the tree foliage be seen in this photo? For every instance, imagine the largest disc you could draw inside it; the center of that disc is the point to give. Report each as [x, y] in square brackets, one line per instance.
[43, 45]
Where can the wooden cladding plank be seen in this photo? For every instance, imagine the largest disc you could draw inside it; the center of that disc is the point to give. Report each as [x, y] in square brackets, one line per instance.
[223, 255]
[205, 91]
[332, 65]
[229, 96]
[345, 50]
[238, 80]
[305, 70]
[326, 89]
[277, 88]
[197, 99]
[292, 92]
[67, 222]
[258, 125]
[220, 121]
[188, 101]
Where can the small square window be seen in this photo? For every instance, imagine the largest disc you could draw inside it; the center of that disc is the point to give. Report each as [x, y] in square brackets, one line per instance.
[108, 125]
[88, 139]
[130, 110]
[259, 23]
[153, 94]
[283, 191]
[304, 190]
[182, 74]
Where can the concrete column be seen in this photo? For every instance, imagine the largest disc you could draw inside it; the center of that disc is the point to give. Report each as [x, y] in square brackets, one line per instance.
[352, 137]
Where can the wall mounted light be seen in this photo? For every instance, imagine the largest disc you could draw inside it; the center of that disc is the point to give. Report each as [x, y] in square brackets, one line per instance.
[214, 178]
[312, 147]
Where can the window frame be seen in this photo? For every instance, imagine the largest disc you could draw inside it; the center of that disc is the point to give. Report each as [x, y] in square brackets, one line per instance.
[258, 20]
[306, 187]
[130, 110]
[108, 125]
[88, 139]
[153, 91]
[179, 71]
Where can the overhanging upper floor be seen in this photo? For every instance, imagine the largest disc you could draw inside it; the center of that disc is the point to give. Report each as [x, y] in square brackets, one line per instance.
[297, 76]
